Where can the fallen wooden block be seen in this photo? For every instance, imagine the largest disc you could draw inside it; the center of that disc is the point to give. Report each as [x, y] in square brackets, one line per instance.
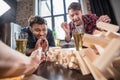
[86, 44]
[94, 71]
[90, 53]
[111, 35]
[99, 49]
[92, 56]
[107, 26]
[87, 38]
[99, 33]
[114, 73]
[116, 63]
[111, 51]
[83, 67]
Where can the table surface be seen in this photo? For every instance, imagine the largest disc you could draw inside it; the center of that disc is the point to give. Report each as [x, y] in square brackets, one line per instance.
[52, 71]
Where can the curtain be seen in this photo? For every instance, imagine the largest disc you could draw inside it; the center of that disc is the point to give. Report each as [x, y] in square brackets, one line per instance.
[103, 7]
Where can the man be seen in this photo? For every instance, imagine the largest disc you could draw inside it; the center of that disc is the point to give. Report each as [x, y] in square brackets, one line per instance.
[14, 63]
[87, 22]
[38, 35]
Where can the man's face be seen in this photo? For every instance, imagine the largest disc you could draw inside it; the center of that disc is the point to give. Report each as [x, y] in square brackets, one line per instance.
[39, 31]
[76, 16]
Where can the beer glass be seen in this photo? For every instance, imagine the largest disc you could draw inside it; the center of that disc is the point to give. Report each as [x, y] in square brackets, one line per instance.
[57, 42]
[77, 35]
[21, 41]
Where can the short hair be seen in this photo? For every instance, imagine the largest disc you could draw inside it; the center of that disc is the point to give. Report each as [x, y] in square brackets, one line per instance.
[74, 6]
[36, 20]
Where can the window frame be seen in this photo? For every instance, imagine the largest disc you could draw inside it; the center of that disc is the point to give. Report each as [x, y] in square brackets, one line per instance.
[52, 16]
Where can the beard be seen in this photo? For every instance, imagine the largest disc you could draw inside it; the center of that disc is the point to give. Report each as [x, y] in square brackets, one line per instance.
[77, 22]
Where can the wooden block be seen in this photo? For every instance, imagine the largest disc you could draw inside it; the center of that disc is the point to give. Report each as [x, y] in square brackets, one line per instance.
[94, 71]
[99, 33]
[92, 56]
[99, 49]
[95, 40]
[90, 53]
[86, 44]
[108, 27]
[116, 63]
[83, 67]
[111, 35]
[111, 51]
[114, 73]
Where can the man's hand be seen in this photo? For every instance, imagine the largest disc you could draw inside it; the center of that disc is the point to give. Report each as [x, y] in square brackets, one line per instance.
[37, 56]
[43, 43]
[104, 18]
[35, 59]
[65, 27]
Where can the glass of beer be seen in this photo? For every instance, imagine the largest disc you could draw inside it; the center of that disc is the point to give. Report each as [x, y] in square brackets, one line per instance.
[77, 35]
[21, 41]
[57, 42]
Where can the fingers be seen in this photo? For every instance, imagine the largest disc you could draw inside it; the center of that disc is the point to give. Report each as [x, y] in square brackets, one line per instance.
[37, 45]
[64, 25]
[43, 43]
[43, 57]
[104, 18]
[37, 56]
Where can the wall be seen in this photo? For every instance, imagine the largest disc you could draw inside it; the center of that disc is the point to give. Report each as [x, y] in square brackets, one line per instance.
[25, 8]
[85, 6]
[115, 4]
[9, 16]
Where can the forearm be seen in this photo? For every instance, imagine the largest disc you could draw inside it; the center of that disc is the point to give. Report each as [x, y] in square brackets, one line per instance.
[16, 69]
[9, 55]
[67, 37]
[12, 69]
[12, 63]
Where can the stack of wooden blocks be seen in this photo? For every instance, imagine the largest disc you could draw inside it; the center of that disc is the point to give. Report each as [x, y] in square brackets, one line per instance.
[102, 57]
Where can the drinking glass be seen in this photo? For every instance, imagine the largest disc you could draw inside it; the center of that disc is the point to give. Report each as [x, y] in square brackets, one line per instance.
[21, 41]
[57, 42]
[77, 35]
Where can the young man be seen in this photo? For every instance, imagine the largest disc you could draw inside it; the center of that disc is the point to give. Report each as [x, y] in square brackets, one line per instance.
[87, 22]
[14, 63]
[38, 34]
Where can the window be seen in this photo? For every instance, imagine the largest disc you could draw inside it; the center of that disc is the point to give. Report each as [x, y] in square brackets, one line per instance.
[55, 12]
[4, 7]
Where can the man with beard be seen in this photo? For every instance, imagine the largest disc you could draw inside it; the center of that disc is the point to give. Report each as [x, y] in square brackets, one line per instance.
[86, 22]
[38, 35]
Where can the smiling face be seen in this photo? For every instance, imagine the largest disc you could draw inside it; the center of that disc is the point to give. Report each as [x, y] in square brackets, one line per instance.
[39, 30]
[38, 26]
[75, 16]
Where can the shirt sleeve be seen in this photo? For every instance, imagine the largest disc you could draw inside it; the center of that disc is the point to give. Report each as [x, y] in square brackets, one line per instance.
[89, 22]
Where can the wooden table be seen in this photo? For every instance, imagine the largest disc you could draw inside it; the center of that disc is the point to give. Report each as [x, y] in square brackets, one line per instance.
[52, 71]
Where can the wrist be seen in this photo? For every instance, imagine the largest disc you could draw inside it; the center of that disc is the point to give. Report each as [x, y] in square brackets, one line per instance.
[67, 34]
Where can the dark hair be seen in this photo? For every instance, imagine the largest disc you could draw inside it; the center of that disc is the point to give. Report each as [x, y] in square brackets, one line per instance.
[74, 6]
[36, 20]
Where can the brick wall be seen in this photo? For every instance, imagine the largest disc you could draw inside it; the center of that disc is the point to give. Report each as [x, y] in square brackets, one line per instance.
[24, 11]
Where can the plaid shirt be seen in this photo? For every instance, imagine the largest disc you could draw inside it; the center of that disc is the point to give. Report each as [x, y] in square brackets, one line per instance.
[89, 21]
